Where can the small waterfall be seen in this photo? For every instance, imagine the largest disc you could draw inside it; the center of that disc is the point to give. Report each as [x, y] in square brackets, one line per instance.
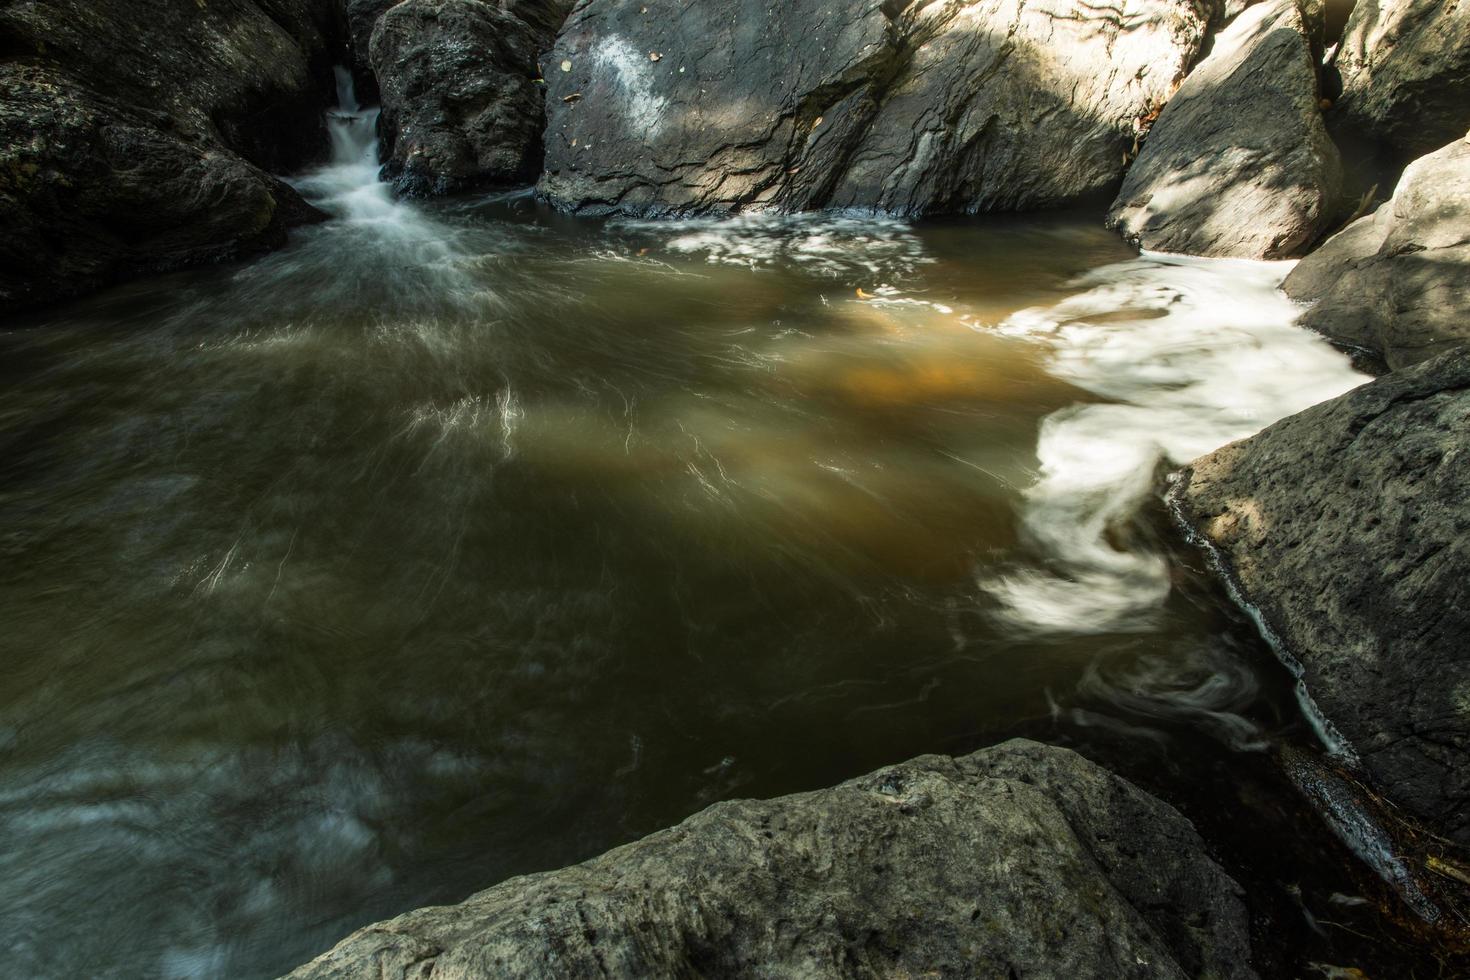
[377, 240]
[353, 129]
[346, 91]
[348, 185]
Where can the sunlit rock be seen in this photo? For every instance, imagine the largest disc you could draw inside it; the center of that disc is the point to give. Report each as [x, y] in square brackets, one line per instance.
[1396, 284]
[1405, 68]
[924, 107]
[1239, 164]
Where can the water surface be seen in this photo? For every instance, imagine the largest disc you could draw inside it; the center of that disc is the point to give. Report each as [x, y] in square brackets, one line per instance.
[459, 541]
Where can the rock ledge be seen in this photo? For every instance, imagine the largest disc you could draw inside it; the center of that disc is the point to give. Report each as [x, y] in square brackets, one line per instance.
[1018, 860]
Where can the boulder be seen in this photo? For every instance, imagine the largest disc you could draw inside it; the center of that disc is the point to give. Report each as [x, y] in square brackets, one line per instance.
[1324, 20]
[461, 91]
[362, 17]
[1405, 67]
[1019, 860]
[930, 106]
[1346, 526]
[1396, 284]
[1239, 163]
[135, 137]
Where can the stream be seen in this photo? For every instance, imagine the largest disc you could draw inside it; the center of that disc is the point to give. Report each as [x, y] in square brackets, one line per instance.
[463, 539]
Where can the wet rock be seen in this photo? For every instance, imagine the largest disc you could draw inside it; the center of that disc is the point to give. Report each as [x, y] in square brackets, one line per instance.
[1405, 67]
[911, 108]
[461, 96]
[1346, 526]
[1239, 163]
[362, 17]
[1019, 860]
[1396, 283]
[137, 140]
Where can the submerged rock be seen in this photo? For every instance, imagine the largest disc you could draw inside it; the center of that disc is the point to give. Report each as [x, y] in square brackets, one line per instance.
[1239, 163]
[461, 91]
[1405, 68]
[1019, 860]
[910, 108]
[134, 141]
[1397, 283]
[1346, 526]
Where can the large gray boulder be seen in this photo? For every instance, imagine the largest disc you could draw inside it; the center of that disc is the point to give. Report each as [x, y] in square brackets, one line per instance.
[461, 93]
[1347, 527]
[1405, 68]
[1239, 163]
[1396, 284]
[1019, 860]
[656, 107]
[136, 136]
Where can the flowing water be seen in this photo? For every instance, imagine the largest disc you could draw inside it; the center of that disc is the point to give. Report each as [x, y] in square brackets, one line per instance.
[463, 540]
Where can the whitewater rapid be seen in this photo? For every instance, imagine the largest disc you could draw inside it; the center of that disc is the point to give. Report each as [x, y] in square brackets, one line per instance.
[1185, 355]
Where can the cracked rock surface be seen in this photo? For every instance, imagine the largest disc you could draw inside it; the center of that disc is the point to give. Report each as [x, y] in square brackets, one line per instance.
[1346, 526]
[461, 103]
[135, 137]
[1019, 860]
[659, 107]
[1239, 163]
[1397, 283]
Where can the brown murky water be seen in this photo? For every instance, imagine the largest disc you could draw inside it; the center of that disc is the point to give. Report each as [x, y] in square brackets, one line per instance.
[452, 543]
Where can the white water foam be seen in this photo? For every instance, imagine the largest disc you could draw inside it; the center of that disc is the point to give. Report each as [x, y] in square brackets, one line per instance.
[349, 189]
[381, 242]
[350, 180]
[1186, 355]
[861, 249]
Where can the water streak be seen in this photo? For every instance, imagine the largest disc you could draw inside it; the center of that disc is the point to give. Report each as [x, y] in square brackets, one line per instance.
[1185, 355]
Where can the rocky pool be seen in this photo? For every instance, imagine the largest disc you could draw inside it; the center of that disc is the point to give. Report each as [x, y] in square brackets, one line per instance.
[462, 540]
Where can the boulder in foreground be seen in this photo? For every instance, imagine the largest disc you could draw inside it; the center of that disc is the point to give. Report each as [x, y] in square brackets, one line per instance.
[934, 106]
[1239, 164]
[1347, 526]
[1018, 860]
[1396, 284]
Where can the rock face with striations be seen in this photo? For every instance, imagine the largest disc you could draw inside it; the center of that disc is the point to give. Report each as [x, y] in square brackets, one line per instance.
[135, 137]
[1347, 526]
[1239, 163]
[658, 107]
[1405, 68]
[1019, 860]
[1397, 283]
[461, 95]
